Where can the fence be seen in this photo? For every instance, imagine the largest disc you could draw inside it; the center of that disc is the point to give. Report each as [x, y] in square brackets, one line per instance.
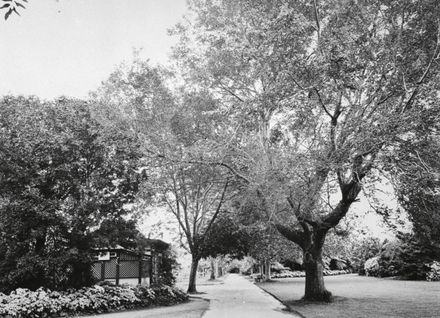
[123, 266]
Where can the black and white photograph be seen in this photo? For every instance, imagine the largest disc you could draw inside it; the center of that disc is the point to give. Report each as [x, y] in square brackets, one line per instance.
[220, 158]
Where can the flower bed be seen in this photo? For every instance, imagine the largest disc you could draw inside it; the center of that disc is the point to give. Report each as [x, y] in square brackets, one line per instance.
[290, 274]
[89, 300]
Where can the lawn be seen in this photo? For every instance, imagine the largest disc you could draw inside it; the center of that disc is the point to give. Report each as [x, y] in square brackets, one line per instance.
[359, 297]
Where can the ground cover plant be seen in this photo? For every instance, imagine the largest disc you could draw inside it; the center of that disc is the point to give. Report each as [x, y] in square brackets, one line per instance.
[359, 297]
[88, 300]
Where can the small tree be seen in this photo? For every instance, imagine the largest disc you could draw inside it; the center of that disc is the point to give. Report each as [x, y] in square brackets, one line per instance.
[226, 237]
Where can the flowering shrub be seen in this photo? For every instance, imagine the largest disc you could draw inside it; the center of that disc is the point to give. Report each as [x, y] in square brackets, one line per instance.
[434, 273]
[89, 300]
[293, 274]
[372, 266]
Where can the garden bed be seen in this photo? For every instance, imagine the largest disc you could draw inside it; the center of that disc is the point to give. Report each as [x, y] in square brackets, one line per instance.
[296, 274]
[23, 303]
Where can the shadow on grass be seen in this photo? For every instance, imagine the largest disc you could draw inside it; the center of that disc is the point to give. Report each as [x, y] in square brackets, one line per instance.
[301, 302]
[361, 297]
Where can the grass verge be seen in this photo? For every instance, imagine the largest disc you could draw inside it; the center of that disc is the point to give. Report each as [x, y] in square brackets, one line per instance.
[361, 297]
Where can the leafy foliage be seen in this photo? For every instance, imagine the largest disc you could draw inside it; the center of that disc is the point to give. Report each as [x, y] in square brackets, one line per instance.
[434, 272]
[320, 91]
[168, 267]
[175, 130]
[407, 258]
[11, 6]
[89, 300]
[62, 176]
[415, 171]
[225, 237]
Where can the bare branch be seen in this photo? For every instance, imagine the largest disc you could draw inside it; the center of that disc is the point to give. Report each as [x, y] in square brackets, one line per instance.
[318, 27]
[321, 102]
[220, 203]
[422, 78]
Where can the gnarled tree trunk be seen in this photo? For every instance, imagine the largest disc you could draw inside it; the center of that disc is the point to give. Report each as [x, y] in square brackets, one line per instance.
[311, 237]
[314, 285]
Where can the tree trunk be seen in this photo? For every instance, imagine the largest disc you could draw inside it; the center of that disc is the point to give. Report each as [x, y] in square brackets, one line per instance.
[315, 288]
[193, 275]
[267, 270]
[212, 269]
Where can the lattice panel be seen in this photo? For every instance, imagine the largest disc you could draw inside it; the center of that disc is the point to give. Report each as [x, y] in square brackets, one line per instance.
[129, 269]
[110, 268]
[96, 270]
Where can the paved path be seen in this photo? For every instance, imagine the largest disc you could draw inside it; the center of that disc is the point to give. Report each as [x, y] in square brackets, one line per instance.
[192, 309]
[240, 298]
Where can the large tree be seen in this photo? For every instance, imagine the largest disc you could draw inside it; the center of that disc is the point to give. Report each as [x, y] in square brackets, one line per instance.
[319, 91]
[62, 177]
[176, 129]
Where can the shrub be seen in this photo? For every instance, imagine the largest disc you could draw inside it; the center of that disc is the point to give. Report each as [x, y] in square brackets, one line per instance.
[371, 266]
[434, 273]
[168, 267]
[61, 270]
[292, 274]
[88, 300]
[365, 249]
[407, 258]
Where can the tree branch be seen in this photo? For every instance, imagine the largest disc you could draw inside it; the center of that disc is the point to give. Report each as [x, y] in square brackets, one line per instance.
[292, 235]
[214, 217]
[322, 103]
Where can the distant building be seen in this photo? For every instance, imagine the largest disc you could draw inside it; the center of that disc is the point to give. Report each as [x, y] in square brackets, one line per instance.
[124, 266]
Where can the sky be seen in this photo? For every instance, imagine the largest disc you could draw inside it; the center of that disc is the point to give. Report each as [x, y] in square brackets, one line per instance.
[67, 47]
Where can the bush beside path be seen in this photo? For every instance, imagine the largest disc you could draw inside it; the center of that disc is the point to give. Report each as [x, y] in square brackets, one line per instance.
[44, 303]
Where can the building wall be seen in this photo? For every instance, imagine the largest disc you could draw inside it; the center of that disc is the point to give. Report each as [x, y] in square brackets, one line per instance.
[130, 281]
[129, 269]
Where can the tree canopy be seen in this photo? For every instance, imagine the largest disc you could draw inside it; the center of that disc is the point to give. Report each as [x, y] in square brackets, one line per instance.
[63, 180]
[320, 91]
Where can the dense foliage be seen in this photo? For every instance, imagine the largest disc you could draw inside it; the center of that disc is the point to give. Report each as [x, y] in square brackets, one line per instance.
[23, 303]
[175, 128]
[63, 176]
[415, 170]
[405, 257]
[168, 267]
[226, 237]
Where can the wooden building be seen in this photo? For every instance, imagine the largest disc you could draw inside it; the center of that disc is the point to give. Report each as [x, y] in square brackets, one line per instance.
[124, 266]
